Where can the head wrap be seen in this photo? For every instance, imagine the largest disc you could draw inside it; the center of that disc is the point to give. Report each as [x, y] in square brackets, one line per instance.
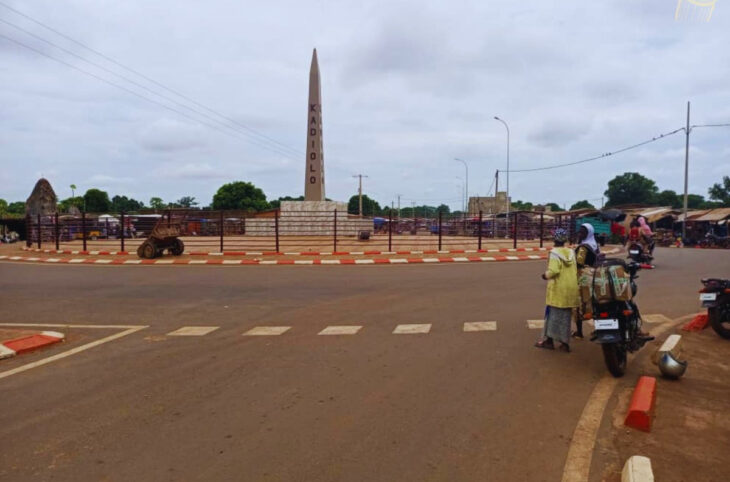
[560, 235]
[645, 229]
[590, 239]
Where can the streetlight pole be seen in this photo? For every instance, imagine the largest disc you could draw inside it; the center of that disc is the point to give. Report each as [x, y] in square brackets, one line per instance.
[467, 181]
[508, 203]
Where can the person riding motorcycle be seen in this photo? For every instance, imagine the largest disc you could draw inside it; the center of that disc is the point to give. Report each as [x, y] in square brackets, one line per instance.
[647, 235]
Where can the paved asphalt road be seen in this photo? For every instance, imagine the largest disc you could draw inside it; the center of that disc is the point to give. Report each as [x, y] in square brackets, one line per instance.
[447, 405]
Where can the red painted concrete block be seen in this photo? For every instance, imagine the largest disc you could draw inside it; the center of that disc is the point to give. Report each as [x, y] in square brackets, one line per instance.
[642, 404]
[698, 323]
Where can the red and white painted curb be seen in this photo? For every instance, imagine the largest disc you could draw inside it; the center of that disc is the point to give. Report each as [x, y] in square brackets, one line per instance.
[298, 253]
[220, 260]
[346, 261]
[10, 348]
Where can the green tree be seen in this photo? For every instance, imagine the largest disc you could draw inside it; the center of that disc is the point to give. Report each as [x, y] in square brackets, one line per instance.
[582, 205]
[721, 192]
[522, 206]
[240, 195]
[370, 207]
[186, 202]
[157, 203]
[17, 208]
[66, 204]
[695, 201]
[276, 203]
[630, 188]
[443, 209]
[554, 207]
[122, 203]
[668, 198]
[97, 201]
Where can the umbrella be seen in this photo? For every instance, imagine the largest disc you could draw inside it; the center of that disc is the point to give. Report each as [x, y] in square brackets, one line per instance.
[613, 215]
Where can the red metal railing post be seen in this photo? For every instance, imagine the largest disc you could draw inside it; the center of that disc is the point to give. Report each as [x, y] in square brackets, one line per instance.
[390, 230]
[276, 230]
[542, 216]
[56, 233]
[121, 219]
[440, 219]
[335, 230]
[28, 231]
[514, 231]
[83, 228]
[480, 231]
[220, 224]
[39, 231]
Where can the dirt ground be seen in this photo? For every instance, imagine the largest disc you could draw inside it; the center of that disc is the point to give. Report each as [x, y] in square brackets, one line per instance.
[690, 432]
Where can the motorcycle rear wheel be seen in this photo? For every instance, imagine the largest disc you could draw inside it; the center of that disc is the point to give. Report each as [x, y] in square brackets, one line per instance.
[719, 321]
[615, 357]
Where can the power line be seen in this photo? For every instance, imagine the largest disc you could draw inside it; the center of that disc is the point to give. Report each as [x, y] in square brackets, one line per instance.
[137, 94]
[129, 69]
[131, 81]
[708, 125]
[607, 154]
[130, 91]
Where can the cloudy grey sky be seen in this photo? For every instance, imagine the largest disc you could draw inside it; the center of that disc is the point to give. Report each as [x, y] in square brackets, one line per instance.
[407, 86]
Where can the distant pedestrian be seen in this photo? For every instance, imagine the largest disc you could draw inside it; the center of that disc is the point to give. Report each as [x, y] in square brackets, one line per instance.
[586, 254]
[561, 294]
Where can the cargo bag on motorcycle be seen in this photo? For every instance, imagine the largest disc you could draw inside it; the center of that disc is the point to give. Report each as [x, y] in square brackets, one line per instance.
[611, 282]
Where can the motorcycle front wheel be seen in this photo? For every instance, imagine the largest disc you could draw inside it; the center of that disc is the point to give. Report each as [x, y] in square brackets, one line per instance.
[720, 321]
[615, 358]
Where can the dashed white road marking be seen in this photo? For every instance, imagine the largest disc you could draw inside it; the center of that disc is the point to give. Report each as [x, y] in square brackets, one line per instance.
[655, 318]
[341, 330]
[267, 331]
[535, 324]
[480, 326]
[412, 329]
[193, 331]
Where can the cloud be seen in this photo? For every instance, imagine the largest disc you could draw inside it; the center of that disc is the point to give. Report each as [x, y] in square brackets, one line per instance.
[407, 86]
[171, 135]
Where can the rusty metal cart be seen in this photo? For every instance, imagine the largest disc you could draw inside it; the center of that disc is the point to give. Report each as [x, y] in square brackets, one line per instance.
[165, 235]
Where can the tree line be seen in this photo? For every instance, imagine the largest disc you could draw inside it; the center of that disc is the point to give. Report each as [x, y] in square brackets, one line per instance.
[628, 188]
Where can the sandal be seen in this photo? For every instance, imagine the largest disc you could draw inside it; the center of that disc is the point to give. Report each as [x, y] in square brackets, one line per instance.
[564, 347]
[548, 345]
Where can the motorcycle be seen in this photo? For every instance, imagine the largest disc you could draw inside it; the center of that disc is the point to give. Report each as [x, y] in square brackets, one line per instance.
[715, 296]
[714, 241]
[617, 326]
[638, 254]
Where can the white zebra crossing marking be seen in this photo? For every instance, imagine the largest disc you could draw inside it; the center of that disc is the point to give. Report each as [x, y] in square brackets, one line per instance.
[412, 329]
[535, 324]
[267, 331]
[341, 330]
[655, 318]
[480, 326]
[193, 331]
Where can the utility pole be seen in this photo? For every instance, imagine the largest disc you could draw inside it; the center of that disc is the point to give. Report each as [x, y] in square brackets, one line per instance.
[398, 206]
[466, 189]
[686, 175]
[359, 190]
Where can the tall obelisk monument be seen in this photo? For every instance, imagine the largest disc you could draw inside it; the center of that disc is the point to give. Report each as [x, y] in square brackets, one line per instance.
[314, 176]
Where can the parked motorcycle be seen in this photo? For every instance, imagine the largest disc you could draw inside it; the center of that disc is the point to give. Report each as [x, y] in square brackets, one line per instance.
[617, 326]
[713, 241]
[638, 254]
[715, 296]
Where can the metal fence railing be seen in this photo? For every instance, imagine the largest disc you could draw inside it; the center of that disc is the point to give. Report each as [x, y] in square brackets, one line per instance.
[274, 231]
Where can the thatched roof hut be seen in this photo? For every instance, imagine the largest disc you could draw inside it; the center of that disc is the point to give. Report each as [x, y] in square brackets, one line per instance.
[42, 200]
